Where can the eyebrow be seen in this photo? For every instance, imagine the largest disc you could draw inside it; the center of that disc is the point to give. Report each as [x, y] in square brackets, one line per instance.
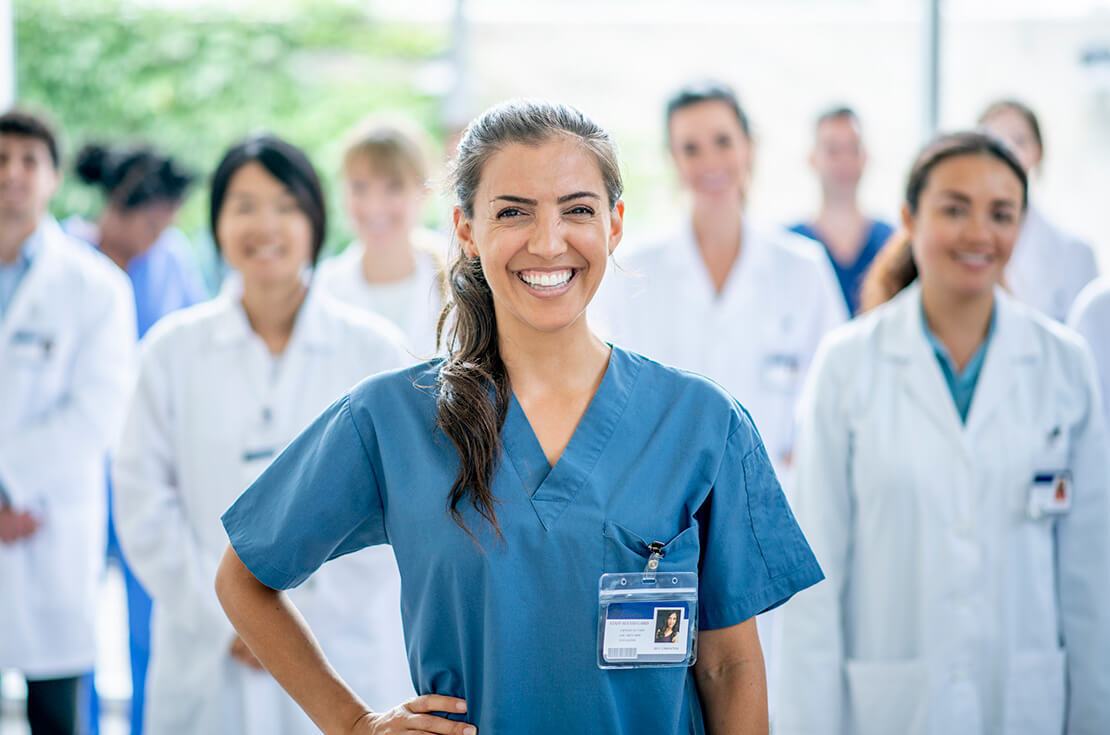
[561, 200]
[963, 198]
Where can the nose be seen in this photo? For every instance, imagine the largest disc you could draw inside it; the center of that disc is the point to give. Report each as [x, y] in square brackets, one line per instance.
[979, 229]
[547, 239]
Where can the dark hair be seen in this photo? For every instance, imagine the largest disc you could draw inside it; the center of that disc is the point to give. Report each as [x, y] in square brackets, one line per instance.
[286, 163]
[133, 177]
[473, 388]
[27, 125]
[1022, 109]
[837, 112]
[706, 90]
[894, 268]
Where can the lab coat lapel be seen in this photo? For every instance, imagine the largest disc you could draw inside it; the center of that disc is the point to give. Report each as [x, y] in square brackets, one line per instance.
[904, 342]
[1012, 350]
[34, 290]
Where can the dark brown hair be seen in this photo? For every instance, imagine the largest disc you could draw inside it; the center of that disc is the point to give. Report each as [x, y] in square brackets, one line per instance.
[286, 163]
[28, 125]
[133, 177]
[473, 389]
[894, 268]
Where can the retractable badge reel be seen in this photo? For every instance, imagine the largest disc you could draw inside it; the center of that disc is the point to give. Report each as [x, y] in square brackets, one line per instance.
[649, 618]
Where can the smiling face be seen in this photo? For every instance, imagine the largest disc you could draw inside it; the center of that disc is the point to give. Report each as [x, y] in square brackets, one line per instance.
[672, 620]
[262, 231]
[28, 178]
[712, 154]
[543, 230]
[384, 207]
[967, 221]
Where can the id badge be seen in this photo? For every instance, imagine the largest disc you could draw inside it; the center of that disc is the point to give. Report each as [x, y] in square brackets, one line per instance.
[31, 348]
[1049, 494]
[780, 371]
[647, 619]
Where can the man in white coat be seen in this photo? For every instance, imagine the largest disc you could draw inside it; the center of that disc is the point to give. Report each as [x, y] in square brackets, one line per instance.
[67, 335]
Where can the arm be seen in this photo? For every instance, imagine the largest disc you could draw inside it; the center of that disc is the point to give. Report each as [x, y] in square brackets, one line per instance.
[87, 417]
[273, 629]
[153, 529]
[811, 662]
[731, 680]
[1083, 569]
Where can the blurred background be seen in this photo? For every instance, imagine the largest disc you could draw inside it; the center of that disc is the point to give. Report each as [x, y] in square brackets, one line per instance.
[190, 76]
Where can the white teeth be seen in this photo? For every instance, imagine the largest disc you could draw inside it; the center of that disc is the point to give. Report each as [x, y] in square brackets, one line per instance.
[546, 280]
[978, 259]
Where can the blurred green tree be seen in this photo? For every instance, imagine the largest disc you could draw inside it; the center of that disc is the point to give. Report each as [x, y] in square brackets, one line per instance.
[191, 82]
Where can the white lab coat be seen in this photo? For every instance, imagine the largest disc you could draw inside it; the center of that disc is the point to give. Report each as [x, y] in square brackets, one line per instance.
[1090, 316]
[67, 362]
[212, 408]
[1049, 267]
[756, 339]
[413, 305]
[946, 609]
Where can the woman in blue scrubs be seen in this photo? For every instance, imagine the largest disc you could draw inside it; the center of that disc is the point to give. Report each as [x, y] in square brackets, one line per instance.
[511, 474]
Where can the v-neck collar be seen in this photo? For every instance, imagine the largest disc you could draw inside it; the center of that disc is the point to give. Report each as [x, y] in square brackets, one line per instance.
[551, 489]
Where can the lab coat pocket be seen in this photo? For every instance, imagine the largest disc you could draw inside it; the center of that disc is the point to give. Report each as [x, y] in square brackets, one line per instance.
[887, 697]
[627, 551]
[1035, 693]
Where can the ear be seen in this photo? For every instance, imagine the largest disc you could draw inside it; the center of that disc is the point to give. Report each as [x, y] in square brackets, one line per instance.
[616, 225]
[464, 233]
[908, 222]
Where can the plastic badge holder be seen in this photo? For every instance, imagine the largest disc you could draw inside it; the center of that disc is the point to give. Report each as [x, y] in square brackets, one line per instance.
[647, 619]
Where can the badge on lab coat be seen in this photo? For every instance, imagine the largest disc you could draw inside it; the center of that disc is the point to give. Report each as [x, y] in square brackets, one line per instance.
[780, 371]
[1049, 494]
[32, 348]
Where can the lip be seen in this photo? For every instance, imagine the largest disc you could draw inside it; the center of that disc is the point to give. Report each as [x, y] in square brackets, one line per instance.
[547, 292]
[974, 261]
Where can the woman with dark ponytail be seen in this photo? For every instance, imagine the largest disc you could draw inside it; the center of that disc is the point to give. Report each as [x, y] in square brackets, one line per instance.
[952, 475]
[511, 474]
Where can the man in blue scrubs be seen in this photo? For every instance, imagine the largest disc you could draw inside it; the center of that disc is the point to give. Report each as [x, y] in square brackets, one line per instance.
[851, 239]
[144, 191]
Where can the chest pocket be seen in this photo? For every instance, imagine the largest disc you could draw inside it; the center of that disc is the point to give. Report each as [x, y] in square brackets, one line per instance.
[627, 551]
[32, 347]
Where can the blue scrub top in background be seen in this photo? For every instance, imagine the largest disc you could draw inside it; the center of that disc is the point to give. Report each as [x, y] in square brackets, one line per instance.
[510, 624]
[851, 274]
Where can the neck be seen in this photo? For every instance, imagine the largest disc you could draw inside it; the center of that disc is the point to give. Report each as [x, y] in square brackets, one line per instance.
[118, 255]
[388, 264]
[840, 205]
[272, 311]
[959, 322]
[718, 228]
[13, 233]
[567, 361]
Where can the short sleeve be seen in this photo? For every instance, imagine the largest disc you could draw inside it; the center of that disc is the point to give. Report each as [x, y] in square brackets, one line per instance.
[318, 500]
[754, 554]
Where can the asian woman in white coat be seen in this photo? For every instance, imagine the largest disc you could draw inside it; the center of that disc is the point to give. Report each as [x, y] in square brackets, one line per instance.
[394, 266]
[223, 387]
[953, 478]
[1050, 266]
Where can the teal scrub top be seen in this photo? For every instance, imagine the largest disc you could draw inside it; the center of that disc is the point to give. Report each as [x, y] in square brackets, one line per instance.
[510, 625]
[961, 384]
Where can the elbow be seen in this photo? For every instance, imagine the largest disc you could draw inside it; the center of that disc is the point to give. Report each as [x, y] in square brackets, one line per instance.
[229, 579]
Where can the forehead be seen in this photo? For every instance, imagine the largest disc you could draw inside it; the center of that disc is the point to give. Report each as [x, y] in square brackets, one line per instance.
[253, 179]
[559, 166]
[976, 175]
[838, 128]
[1008, 121]
[14, 142]
[379, 164]
[708, 116]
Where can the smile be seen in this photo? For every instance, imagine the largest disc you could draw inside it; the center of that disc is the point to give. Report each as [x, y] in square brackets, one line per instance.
[547, 281]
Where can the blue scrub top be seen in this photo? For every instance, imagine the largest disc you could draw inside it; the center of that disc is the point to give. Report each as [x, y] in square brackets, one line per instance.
[510, 625]
[851, 274]
[960, 384]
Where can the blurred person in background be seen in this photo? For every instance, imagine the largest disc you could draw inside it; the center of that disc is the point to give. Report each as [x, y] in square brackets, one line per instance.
[851, 238]
[393, 268]
[743, 303]
[1090, 316]
[953, 477]
[67, 343]
[143, 192]
[1049, 266]
[223, 387]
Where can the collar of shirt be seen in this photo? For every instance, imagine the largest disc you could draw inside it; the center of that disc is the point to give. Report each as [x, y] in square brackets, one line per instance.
[12, 274]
